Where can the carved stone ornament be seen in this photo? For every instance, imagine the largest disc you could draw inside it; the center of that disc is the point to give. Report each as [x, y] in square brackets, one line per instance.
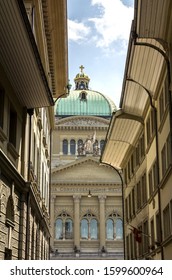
[82, 122]
[80, 189]
[61, 209]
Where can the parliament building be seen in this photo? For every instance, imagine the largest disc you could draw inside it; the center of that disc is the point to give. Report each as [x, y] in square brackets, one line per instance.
[86, 208]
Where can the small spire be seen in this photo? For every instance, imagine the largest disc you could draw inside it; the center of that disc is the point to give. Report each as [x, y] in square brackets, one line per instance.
[81, 67]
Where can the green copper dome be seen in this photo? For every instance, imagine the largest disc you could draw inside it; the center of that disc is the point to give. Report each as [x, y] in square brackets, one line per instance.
[87, 102]
[82, 101]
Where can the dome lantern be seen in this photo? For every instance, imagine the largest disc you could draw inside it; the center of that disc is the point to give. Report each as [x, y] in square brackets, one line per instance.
[81, 80]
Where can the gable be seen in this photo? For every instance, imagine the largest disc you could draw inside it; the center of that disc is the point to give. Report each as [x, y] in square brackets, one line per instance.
[85, 171]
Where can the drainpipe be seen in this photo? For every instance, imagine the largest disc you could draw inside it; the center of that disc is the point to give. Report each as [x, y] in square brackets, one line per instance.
[30, 112]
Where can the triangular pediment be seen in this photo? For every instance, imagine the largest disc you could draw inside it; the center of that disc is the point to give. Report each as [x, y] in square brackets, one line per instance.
[85, 170]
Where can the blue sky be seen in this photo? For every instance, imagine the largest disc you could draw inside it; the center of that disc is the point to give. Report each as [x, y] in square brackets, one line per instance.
[98, 32]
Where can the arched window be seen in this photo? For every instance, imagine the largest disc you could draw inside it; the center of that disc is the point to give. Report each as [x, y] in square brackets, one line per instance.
[83, 96]
[89, 227]
[84, 229]
[119, 229]
[114, 226]
[64, 227]
[102, 142]
[72, 147]
[110, 229]
[65, 146]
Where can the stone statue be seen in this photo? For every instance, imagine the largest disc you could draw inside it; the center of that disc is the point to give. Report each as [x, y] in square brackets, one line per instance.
[88, 145]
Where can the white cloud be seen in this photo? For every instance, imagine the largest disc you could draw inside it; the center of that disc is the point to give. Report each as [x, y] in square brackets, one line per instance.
[114, 22]
[77, 31]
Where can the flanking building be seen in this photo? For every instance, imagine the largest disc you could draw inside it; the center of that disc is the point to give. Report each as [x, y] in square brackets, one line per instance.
[139, 139]
[33, 70]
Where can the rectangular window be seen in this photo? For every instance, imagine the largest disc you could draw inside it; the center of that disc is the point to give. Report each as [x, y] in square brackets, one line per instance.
[155, 175]
[130, 207]
[145, 237]
[163, 160]
[168, 151]
[148, 130]
[161, 105]
[166, 221]
[2, 95]
[150, 184]
[158, 239]
[133, 201]
[140, 244]
[12, 126]
[152, 233]
[137, 155]
[131, 245]
[142, 146]
[138, 196]
[144, 189]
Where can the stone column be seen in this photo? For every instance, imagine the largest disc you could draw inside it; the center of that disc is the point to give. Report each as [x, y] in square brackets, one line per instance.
[76, 147]
[52, 222]
[77, 220]
[68, 147]
[102, 230]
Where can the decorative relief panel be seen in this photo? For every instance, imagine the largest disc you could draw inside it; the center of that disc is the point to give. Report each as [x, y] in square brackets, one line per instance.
[83, 122]
[68, 209]
[110, 209]
[92, 209]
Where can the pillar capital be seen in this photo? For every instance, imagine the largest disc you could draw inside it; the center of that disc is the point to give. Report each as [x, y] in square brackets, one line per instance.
[102, 198]
[53, 197]
[76, 198]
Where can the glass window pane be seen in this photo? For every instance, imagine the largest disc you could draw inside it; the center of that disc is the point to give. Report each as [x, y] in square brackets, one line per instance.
[72, 147]
[59, 229]
[93, 229]
[84, 229]
[109, 229]
[68, 229]
[119, 231]
[65, 147]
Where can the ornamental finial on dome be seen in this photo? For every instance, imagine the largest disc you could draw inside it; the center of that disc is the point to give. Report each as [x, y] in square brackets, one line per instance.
[82, 68]
[81, 80]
